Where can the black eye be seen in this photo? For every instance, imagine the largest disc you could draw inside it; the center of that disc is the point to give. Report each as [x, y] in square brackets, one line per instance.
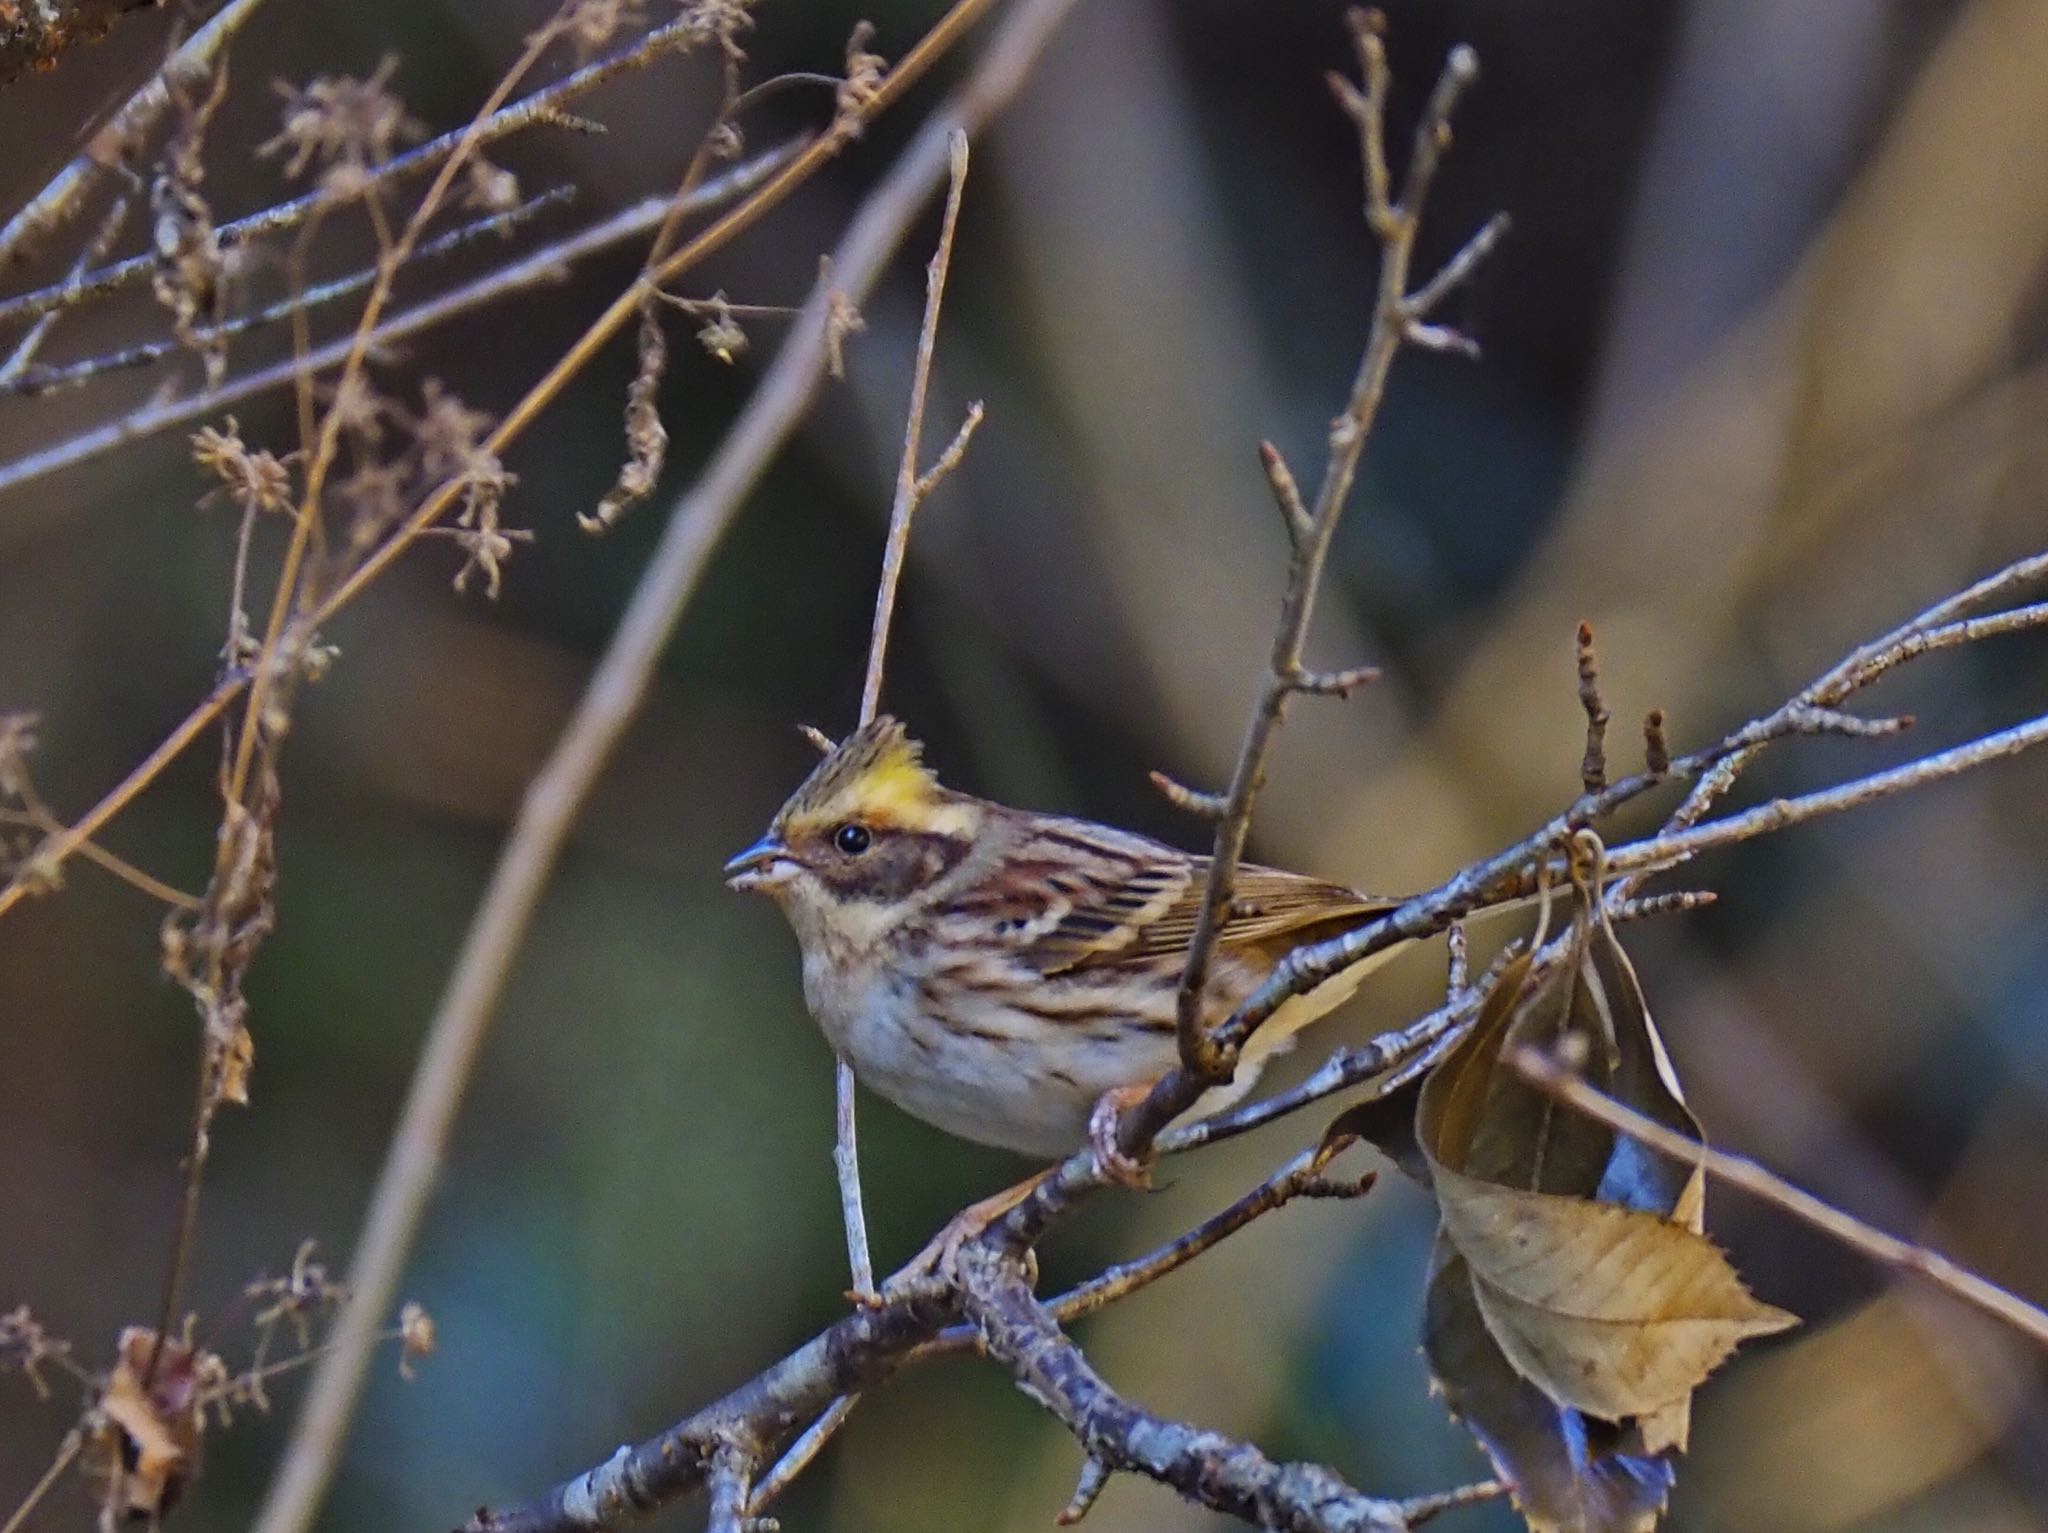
[852, 839]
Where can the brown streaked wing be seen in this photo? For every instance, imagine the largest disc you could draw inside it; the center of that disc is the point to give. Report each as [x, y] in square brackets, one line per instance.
[1266, 903]
[1131, 898]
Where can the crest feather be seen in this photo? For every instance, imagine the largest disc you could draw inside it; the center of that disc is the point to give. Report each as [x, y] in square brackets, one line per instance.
[878, 769]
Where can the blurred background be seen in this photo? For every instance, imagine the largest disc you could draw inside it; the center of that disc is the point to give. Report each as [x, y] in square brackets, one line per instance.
[1764, 374]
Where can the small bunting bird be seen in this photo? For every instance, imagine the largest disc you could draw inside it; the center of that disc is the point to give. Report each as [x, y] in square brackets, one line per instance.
[1011, 976]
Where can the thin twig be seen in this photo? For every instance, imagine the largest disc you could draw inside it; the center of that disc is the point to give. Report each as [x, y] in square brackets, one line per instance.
[40, 819]
[731, 1474]
[1204, 1059]
[1510, 873]
[798, 1456]
[49, 207]
[542, 107]
[1552, 1077]
[860, 1261]
[911, 488]
[24, 353]
[1088, 1488]
[500, 925]
[1593, 768]
[545, 266]
[1666, 851]
[1417, 1510]
[1947, 623]
[49, 378]
[909, 479]
[67, 1451]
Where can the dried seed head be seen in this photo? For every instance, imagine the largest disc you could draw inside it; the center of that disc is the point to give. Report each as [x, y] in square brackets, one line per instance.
[863, 80]
[348, 125]
[255, 481]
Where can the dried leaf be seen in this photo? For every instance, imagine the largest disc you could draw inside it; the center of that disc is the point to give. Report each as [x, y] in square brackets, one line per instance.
[1571, 1473]
[1573, 1304]
[1612, 1311]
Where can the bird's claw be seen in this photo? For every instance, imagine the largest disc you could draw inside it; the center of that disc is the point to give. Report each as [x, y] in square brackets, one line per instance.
[1110, 1158]
[935, 1271]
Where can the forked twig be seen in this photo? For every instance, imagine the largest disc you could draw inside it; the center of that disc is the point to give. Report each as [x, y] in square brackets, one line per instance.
[913, 485]
[1395, 222]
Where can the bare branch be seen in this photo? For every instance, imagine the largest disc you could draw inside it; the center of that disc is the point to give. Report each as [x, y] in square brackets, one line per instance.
[1417, 1510]
[1206, 1058]
[1333, 683]
[860, 1261]
[798, 1456]
[1510, 874]
[128, 126]
[1458, 270]
[1548, 1075]
[955, 450]
[66, 1454]
[542, 267]
[1674, 903]
[48, 379]
[1088, 1489]
[1207, 806]
[1207, 1468]
[1286, 494]
[1665, 851]
[731, 1473]
[24, 353]
[541, 108]
[908, 478]
[1656, 749]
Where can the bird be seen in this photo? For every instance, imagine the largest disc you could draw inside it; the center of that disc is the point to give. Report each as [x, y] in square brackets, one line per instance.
[1011, 976]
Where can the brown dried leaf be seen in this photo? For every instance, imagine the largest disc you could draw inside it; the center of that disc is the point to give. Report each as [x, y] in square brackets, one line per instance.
[1574, 1304]
[1615, 1312]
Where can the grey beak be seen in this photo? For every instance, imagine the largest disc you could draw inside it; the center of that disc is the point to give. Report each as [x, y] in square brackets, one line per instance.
[764, 863]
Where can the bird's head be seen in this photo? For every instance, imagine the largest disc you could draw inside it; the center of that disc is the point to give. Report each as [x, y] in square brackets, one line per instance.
[867, 832]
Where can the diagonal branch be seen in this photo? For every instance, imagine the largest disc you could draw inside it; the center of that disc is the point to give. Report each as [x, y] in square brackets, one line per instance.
[1207, 1468]
[137, 116]
[1550, 1076]
[48, 378]
[541, 267]
[542, 106]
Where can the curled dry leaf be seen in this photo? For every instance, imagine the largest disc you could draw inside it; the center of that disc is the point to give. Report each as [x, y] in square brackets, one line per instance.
[1573, 1304]
[646, 437]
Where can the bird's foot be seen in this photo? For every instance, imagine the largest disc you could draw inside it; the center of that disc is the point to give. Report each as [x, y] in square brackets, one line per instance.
[1103, 1122]
[936, 1269]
